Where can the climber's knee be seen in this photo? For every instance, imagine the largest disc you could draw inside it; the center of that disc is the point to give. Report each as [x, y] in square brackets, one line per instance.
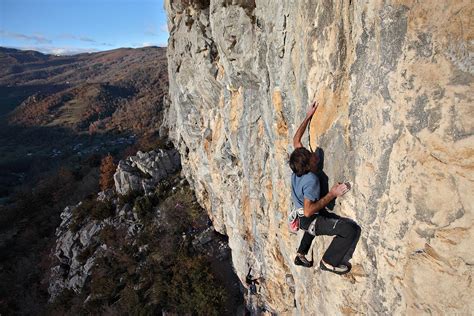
[355, 227]
[349, 228]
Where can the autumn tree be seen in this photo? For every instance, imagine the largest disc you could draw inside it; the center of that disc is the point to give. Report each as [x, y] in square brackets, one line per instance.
[107, 170]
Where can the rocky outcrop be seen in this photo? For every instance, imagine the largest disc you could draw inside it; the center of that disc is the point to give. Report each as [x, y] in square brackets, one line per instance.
[76, 251]
[78, 244]
[394, 80]
[141, 173]
[89, 232]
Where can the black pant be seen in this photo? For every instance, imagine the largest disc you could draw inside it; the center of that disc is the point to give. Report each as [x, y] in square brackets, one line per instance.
[342, 247]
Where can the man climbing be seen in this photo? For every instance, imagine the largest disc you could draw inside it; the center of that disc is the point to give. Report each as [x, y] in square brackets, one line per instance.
[251, 282]
[316, 220]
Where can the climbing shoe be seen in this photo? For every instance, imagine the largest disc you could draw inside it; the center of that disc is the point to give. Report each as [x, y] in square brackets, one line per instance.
[301, 260]
[340, 269]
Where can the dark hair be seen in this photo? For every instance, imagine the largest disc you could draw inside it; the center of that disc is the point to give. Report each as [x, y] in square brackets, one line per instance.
[299, 161]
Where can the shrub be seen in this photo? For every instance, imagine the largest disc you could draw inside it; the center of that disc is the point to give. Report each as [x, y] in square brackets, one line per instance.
[63, 299]
[102, 285]
[158, 292]
[143, 206]
[193, 288]
[86, 253]
[129, 298]
[107, 235]
[102, 210]
[163, 187]
[181, 209]
[98, 210]
[79, 214]
[74, 226]
[128, 198]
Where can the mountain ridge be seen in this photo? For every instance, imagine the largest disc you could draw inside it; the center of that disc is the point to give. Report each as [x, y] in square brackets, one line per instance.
[37, 89]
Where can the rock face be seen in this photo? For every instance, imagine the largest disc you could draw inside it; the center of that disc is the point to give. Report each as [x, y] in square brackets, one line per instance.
[394, 80]
[142, 172]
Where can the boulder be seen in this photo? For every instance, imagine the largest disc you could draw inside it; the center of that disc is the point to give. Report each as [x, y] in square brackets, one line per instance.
[141, 173]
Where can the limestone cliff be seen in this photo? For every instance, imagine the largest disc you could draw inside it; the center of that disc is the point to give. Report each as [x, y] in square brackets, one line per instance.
[394, 79]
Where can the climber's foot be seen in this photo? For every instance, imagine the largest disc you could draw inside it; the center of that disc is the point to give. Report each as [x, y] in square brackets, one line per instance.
[301, 260]
[340, 269]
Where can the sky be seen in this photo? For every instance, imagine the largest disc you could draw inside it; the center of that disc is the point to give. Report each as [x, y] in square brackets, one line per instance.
[65, 27]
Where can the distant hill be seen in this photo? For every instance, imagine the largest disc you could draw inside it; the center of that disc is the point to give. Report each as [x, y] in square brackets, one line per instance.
[60, 110]
[116, 90]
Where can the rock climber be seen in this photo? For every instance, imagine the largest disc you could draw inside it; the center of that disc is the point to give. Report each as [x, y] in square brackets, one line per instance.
[251, 282]
[315, 220]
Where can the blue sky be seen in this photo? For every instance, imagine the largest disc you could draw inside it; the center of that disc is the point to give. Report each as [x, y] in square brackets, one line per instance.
[75, 26]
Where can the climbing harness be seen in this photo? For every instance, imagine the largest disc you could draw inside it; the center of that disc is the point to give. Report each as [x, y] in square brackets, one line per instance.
[294, 219]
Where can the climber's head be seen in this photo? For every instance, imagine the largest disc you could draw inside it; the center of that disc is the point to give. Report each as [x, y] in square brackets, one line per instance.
[303, 161]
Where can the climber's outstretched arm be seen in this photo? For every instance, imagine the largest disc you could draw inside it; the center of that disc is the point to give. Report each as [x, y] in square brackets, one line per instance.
[312, 207]
[300, 131]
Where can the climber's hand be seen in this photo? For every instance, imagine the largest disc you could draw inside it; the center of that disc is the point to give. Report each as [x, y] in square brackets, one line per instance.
[312, 108]
[339, 189]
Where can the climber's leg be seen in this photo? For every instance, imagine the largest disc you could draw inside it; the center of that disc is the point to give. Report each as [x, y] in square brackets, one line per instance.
[305, 243]
[348, 256]
[342, 246]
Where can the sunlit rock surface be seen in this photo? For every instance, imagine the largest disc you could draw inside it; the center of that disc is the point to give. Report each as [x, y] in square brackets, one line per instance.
[394, 79]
